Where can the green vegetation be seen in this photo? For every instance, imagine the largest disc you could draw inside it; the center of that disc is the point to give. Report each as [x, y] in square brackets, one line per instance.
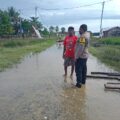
[5, 25]
[108, 52]
[12, 51]
[109, 41]
[13, 25]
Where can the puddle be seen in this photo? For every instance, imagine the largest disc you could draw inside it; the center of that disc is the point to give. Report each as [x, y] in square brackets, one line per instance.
[36, 90]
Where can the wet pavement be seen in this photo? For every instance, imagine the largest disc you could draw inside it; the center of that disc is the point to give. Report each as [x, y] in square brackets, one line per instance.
[36, 90]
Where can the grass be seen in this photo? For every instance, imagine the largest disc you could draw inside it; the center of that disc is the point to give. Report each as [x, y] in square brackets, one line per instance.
[12, 51]
[109, 52]
[108, 41]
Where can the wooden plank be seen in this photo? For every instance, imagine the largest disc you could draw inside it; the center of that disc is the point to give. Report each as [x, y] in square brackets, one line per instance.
[111, 87]
[106, 73]
[113, 74]
[113, 83]
[103, 77]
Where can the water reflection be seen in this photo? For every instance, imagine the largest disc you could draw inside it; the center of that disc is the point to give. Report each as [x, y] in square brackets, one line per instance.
[73, 102]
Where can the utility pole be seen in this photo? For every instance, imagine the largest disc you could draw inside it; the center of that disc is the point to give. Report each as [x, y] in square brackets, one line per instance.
[36, 9]
[20, 22]
[103, 4]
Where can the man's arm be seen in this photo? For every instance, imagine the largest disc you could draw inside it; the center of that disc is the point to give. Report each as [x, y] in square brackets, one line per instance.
[64, 48]
[64, 52]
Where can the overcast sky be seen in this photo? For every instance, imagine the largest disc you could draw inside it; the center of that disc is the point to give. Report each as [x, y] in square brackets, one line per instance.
[89, 15]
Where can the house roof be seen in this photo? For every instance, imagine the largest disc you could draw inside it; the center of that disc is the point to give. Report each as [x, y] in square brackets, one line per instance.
[108, 29]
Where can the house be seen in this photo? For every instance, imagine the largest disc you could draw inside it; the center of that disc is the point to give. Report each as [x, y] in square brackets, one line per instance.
[111, 32]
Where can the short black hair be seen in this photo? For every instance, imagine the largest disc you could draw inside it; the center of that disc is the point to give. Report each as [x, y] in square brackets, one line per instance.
[71, 28]
[84, 27]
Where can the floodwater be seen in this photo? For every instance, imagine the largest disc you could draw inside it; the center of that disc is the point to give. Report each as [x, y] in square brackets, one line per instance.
[36, 90]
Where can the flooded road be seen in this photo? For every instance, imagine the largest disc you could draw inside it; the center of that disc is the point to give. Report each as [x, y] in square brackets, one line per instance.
[36, 90]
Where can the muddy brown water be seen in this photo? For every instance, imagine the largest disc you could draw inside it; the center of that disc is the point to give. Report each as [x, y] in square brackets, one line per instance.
[36, 90]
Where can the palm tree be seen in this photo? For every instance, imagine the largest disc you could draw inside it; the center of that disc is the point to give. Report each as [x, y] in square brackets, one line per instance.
[13, 14]
[56, 29]
[36, 23]
[5, 24]
[14, 18]
[63, 30]
[51, 29]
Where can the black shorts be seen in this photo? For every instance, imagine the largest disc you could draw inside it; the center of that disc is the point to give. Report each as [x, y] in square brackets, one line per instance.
[69, 61]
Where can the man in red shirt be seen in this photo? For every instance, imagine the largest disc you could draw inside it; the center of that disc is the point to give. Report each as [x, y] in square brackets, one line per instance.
[68, 52]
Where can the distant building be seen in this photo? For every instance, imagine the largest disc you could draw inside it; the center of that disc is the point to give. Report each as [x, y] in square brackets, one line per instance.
[96, 34]
[111, 32]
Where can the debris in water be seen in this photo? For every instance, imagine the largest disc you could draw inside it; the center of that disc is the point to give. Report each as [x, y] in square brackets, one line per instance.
[103, 77]
[46, 118]
[112, 86]
[106, 73]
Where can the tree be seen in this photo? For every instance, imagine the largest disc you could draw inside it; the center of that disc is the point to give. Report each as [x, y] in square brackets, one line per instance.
[13, 14]
[26, 25]
[57, 29]
[5, 24]
[45, 31]
[12, 23]
[63, 29]
[14, 19]
[51, 29]
[36, 23]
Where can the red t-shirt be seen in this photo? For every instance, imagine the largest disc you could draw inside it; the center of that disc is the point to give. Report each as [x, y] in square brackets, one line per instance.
[69, 43]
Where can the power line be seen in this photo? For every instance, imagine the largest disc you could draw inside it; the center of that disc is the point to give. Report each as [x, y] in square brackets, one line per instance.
[48, 9]
[87, 5]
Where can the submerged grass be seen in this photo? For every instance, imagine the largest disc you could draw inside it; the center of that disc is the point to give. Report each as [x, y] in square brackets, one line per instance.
[109, 52]
[11, 51]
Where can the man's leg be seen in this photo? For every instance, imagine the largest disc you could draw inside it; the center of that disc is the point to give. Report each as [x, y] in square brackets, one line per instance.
[65, 69]
[78, 70]
[84, 71]
[72, 70]
[65, 66]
